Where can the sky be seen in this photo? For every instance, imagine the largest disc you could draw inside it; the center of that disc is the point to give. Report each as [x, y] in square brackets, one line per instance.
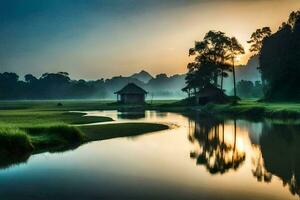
[103, 38]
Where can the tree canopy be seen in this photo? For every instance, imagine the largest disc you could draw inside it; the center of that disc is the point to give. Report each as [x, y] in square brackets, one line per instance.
[280, 61]
[213, 60]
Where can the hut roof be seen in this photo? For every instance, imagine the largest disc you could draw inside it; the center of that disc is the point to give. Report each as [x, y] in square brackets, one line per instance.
[131, 88]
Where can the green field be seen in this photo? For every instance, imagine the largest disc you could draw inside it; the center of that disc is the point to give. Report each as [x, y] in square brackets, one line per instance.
[38, 126]
[256, 109]
[76, 105]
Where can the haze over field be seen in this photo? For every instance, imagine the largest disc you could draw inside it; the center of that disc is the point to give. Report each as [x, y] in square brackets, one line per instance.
[101, 39]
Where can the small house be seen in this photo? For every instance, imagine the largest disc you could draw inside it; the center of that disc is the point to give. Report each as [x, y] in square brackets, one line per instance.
[210, 94]
[131, 94]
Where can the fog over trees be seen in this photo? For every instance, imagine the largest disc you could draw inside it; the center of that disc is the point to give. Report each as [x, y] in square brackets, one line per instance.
[61, 86]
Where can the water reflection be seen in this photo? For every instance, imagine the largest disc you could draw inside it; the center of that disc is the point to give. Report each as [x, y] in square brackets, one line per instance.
[280, 147]
[11, 159]
[231, 157]
[129, 113]
[258, 170]
[275, 152]
[214, 151]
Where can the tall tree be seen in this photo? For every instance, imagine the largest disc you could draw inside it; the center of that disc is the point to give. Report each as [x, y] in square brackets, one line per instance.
[209, 63]
[219, 43]
[235, 49]
[256, 41]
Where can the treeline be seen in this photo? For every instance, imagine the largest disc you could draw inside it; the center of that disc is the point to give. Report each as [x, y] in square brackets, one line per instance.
[61, 86]
[249, 89]
[48, 86]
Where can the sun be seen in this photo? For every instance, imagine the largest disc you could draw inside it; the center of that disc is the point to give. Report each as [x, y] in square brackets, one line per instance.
[238, 58]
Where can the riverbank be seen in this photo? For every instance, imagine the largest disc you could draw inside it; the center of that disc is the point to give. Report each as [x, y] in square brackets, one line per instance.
[254, 109]
[244, 108]
[27, 126]
[18, 144]
[43, 138]
[35, 130]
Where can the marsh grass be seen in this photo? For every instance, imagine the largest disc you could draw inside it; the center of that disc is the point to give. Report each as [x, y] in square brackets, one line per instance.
[54, 136]
[28, 139]
[14, 140]
[17, 144]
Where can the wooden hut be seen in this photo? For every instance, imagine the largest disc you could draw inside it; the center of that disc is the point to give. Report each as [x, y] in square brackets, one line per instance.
[210, 94]
[131, 94]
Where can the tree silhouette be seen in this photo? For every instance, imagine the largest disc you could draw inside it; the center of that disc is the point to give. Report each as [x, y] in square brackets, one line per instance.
[280, 63]
[280, 151]
[235, 49]
[219, 43]
[217, 155]
[256, 39]
[259, 170]
[209, 63]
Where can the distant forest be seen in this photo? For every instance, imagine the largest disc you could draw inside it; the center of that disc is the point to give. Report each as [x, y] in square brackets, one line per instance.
[61, 86]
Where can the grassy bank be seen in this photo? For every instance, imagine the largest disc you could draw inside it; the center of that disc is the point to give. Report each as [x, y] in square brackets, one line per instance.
[24, 140]
[43, 138]
[38, 109]
[34, 127]
[17, 144]
[108, 131]
[255, 109]
[33, 117]
[28, 130]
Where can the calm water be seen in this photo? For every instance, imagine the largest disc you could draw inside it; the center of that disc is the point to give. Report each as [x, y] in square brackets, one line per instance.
[200, 159]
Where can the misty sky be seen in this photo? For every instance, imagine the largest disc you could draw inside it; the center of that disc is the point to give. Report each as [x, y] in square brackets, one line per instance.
[102, 38]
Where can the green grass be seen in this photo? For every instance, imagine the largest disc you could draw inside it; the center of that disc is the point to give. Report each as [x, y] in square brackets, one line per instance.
[257, 109]
[32, 117]
[74, 105]
[14, 140]
[54, 136]
[108, 131]
[28, 127]
[17, 144]
[38, 138]
[42, 125]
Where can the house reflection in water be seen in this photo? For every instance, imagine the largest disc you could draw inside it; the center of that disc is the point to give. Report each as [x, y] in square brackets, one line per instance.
[130, 113]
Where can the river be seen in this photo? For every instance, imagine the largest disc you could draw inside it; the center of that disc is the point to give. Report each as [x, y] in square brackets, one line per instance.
[199, 158]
